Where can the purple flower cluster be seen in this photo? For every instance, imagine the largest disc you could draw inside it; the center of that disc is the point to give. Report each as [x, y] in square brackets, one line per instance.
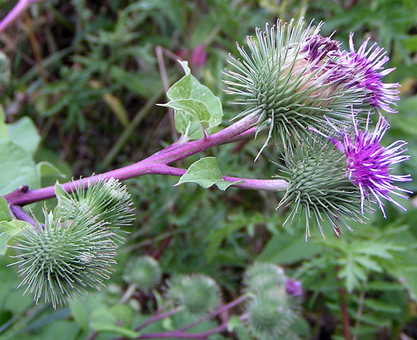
[368, 162]
[366, 69]
[361, 70]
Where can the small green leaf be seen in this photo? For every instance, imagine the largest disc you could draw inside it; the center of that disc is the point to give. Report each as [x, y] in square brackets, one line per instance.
[233, 323]
[368, 263]
[352, 272]
[4, 210]
[12, 228]
[195, 106]
[286, 249]
[191, 116]
[380, 306]
[8, 231]
[106, 321]
[18, 168]
[168, 324]
[205, 172]
[47, 169]
[25, 134]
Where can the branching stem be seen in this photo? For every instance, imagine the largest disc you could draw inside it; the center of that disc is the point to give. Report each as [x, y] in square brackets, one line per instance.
[158, 164]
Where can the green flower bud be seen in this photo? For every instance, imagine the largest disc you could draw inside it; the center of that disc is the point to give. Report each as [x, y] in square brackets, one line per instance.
[144, 272]
[107, 199]
[262, 276]
[319, 187]
[199, 294]
[64, 257]
[269, 316]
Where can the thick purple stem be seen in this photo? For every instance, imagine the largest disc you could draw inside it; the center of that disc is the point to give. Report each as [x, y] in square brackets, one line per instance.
[158, 164]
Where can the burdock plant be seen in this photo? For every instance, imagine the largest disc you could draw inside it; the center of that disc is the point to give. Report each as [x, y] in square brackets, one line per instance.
[313, 99]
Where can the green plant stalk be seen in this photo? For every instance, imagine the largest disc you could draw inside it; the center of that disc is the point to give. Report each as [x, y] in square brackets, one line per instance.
[158, 164]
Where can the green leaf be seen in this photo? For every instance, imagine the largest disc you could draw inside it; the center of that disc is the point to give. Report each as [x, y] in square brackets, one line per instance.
[368, 263]
[206, 172]
[47, 169]
[8, 231]
[352, 272]
[18, 168]
[408, 277]
[233, 323]
[377, 249]
[190, 116]
[105, 321]
[195, 106]
[25, 134]
[286, 249]
[13, 228]
[380, 306]
[4, 210]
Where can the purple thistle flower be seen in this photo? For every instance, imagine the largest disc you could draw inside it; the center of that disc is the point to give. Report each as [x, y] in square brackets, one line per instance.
[364, 65]
[369, 163]
[293, 287]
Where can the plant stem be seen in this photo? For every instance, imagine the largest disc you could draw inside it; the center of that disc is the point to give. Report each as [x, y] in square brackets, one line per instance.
[160, 316]
[158, 164]
[17, 10]
[128, 294]
[345, 315]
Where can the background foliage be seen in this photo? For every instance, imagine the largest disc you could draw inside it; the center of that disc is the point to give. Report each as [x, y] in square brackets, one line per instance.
[84, 80]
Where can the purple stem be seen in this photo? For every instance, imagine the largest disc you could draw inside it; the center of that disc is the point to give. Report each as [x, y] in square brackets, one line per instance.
[15, 13]
[22, 215]
[157, 317]
[157, 164]
[181, 335]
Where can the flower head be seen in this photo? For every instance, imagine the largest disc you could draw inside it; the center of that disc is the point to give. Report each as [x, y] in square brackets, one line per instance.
[199, 294]
[144, 272]
[319, 188]
[64, 257]
[369, 163]
[290, 79]
[364, 66]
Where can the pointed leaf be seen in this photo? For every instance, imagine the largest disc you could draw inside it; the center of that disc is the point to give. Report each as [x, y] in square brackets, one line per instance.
[195, 106]
[18, 168]
[205, 172]
[368, 263]
[47, 169]
[8, 231]
[25, 134]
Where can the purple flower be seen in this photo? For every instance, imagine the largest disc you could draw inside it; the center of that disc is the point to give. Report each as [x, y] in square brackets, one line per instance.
[293, 287]
[318, 47]
[364, 66]
[369, 163]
